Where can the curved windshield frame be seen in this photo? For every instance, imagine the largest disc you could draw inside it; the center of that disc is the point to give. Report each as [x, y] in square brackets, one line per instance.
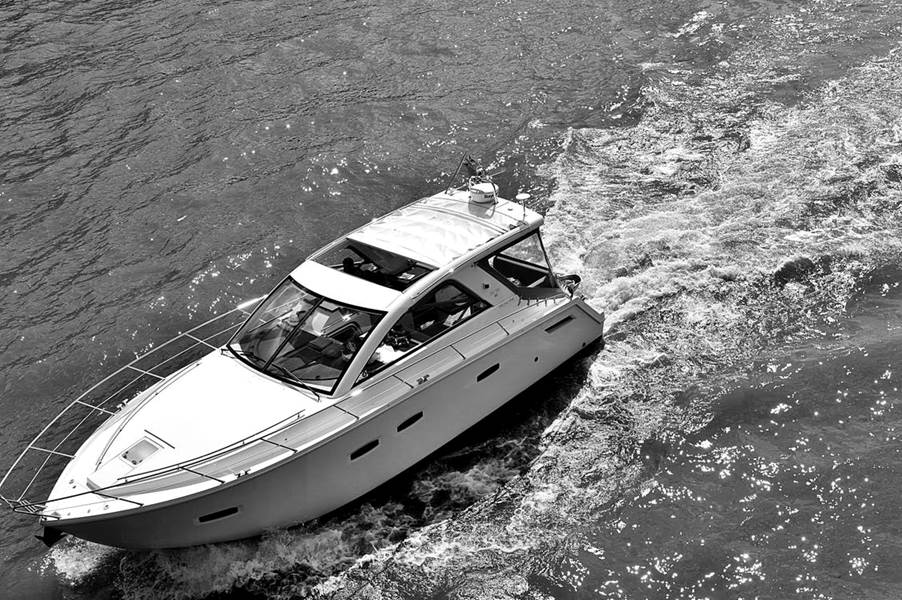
[302, 338]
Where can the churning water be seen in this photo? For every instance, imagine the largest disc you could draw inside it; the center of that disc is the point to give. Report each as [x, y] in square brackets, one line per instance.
[726, 176]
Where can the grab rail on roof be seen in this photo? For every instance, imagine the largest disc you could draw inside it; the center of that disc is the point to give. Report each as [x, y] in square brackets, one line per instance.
[55, 444]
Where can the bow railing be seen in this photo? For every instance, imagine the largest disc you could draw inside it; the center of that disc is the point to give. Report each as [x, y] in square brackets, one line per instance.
[38, 466]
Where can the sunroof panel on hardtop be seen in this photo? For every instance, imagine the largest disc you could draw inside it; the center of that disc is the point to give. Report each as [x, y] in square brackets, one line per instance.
[373, 264]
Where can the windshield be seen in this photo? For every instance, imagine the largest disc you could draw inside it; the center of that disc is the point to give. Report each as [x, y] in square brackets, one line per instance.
[303, 338]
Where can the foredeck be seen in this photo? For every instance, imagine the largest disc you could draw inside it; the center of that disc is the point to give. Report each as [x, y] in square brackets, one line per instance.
[35, 471]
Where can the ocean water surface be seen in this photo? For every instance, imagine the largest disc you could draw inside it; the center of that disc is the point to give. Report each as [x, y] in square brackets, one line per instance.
[726, 176]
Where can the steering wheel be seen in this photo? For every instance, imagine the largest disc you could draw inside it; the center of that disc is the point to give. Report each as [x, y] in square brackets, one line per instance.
[265, 335]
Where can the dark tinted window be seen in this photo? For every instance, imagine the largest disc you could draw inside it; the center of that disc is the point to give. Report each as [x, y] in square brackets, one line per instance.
[373, 264]
[442, 309]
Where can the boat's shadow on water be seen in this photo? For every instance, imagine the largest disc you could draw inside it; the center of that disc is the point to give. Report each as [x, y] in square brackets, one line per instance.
[469, 468]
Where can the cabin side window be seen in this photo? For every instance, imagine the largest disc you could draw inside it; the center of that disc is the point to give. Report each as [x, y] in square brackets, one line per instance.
[524, 267]
[442, 309]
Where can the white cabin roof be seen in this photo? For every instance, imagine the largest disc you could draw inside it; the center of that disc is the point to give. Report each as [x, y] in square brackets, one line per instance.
[441, 228]
[339, 286]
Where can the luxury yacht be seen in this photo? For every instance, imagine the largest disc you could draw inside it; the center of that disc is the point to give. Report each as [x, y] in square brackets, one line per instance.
[373, 353]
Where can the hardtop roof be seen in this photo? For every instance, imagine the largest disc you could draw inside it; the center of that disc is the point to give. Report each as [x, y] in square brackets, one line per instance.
[439, 229]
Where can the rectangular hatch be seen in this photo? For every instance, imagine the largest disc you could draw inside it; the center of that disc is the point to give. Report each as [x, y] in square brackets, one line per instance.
[139, 451]
[110, 472]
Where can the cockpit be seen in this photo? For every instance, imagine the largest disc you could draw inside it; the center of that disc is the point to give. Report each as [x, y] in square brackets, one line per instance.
[301, 337]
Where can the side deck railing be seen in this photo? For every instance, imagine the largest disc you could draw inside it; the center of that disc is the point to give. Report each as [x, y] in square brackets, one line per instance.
[37, 467]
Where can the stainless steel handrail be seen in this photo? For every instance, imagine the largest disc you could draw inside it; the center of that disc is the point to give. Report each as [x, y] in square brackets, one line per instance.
[186, 465]
[18, 503]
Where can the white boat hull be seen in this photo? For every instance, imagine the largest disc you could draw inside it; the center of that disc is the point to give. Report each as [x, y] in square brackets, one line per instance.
[318, 481]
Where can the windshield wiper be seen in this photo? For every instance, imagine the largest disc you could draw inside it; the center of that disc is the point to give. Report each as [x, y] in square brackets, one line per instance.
[239, 352]
[295, 379]
[225, 350]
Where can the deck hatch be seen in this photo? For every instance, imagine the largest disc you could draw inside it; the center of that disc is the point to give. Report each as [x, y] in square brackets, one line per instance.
[364, 449]
[559, 324]
[409, 421]
[139, 451]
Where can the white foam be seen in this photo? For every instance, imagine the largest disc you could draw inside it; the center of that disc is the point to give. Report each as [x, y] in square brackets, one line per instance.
[677, 238]
[74, 559]
[686, 234]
